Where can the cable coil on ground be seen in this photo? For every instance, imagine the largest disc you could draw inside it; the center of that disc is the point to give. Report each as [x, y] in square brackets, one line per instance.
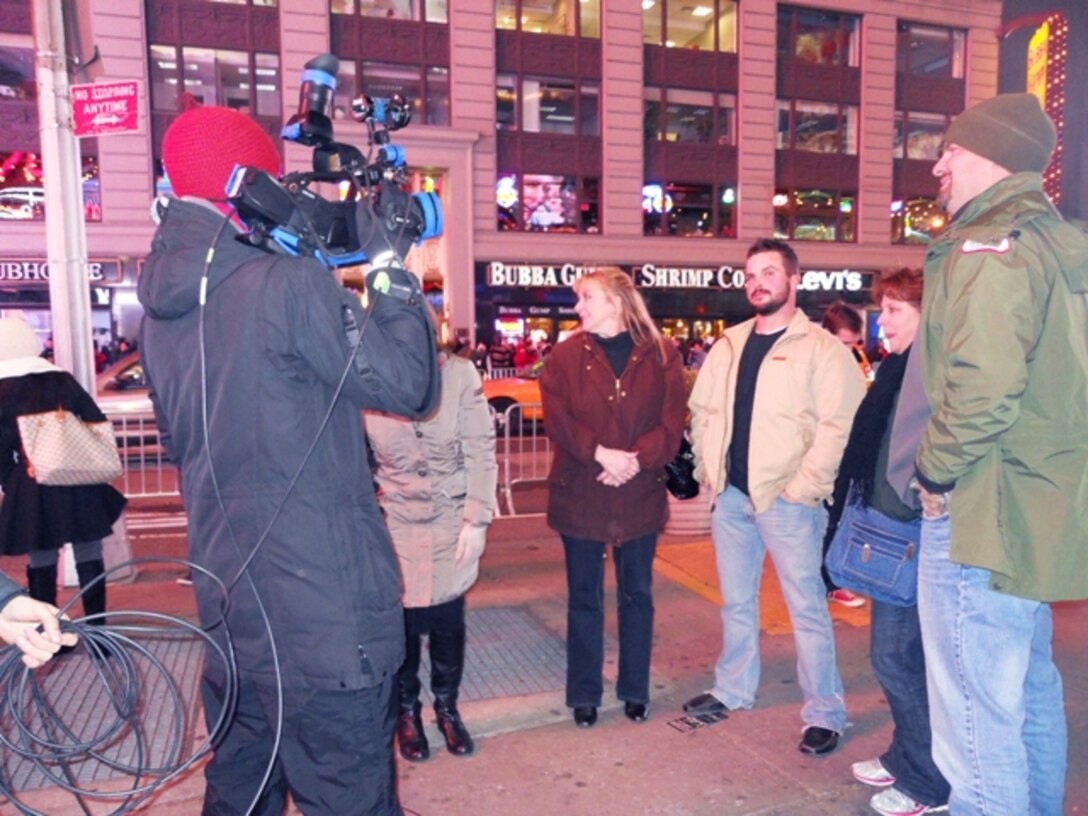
[109, 722]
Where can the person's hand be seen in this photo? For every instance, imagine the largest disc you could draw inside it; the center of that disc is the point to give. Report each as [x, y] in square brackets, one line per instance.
[619, 466]
[470, 544]
[19, 622]
[934, 505]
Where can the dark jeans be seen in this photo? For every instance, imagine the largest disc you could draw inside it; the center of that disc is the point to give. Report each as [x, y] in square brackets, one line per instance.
[335, 754]
[585, 618]
[900, 667]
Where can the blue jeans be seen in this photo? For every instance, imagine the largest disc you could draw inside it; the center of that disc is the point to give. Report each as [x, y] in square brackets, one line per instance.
[995, 695]
[793, 535]
[899, 663]
[585, 618]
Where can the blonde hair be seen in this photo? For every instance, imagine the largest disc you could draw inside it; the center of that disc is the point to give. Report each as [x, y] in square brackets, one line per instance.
[634, 316]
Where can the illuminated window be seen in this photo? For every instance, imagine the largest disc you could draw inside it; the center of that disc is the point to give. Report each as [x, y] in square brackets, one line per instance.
[548, 105]
[814, 215]
[929, 51]
[688, 210]
[569, 18]
[676, 115]
[535, 202]
[817, 127]
[697, 25]
[431, 11]
[824, 37]
[916, 220]
[919, 135]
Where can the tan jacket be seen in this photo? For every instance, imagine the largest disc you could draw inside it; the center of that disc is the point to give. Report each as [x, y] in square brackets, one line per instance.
[436, 474]
[808, 389]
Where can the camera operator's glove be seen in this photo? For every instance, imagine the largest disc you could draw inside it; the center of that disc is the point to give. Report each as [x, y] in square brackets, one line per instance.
[470, 544]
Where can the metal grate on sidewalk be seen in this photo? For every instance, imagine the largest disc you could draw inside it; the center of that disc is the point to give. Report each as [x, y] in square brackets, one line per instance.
[72, 686]
[508, 653]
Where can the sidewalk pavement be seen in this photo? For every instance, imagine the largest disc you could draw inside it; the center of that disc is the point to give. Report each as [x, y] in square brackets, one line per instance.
[531, 760]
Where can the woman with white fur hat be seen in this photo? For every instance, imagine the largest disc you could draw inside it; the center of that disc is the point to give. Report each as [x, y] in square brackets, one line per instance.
[35, 519]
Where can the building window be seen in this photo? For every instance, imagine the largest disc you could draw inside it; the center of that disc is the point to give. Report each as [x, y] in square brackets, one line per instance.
[674, 115]
[702, 25]
[688, 210]
[534, 202]
[919, 135]
[916, 220]
[426, 89]
[548, 105]
[429, 11]
[22, 192]
[568, 18]
[249, 83]
[823, 37]
[269, 3]
[814, 215]
[928, 51]
[818, 127]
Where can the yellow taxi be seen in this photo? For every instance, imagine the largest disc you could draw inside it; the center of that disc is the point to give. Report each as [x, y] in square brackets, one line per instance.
[521, 390]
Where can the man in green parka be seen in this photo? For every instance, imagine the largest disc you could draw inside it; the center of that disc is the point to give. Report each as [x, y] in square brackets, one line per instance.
[1002, 467]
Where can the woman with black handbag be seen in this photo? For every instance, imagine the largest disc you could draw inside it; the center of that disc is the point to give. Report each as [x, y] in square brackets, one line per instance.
[614, 399]
[37, 519]
[912, 783]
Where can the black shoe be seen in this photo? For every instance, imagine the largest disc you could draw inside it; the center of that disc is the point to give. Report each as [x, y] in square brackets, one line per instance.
[411, 739]
[636, 712]
[458, 740]
[705, 703]
[585, 716]
[816, 741]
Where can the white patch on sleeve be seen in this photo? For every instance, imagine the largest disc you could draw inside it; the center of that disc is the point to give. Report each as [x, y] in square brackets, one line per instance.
[1001, 247]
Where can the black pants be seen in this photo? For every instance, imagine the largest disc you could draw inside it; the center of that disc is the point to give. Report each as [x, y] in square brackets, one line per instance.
[444, 624]
[585, 618]
[335, 754]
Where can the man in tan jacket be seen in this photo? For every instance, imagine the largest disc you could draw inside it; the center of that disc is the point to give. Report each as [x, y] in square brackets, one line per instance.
[771, 411]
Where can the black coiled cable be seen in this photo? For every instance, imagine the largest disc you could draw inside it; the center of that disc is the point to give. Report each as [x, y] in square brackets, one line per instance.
[126, 671]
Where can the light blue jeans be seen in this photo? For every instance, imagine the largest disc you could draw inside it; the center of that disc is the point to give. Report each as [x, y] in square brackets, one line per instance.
[995, 695]
[793, 535]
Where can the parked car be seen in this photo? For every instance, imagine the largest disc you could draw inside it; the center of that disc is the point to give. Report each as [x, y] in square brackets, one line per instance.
[122, 396]
[503, 393]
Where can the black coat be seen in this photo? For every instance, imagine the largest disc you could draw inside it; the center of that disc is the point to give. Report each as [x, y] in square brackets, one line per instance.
[275, 349]
[46, 517]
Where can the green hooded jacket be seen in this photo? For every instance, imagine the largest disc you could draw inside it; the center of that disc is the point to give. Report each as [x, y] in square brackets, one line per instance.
[1004, 351]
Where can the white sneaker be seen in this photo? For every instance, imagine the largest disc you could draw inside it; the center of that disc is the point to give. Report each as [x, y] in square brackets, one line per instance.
[872, 772]
[890, 802]
[846, 598]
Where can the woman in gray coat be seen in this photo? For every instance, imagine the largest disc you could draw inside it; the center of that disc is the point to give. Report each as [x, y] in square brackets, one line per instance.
[437, 478]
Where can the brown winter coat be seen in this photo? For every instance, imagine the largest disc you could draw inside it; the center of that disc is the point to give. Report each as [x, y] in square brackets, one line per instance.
[585, 405]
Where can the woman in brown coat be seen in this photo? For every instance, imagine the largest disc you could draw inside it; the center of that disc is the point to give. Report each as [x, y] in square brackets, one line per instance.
[614, 404]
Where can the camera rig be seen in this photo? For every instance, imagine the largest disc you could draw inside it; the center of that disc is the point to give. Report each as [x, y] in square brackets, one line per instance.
[374, 216]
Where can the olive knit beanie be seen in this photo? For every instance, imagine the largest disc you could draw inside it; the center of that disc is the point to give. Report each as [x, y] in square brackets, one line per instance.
[202, 146]
[1011, 129]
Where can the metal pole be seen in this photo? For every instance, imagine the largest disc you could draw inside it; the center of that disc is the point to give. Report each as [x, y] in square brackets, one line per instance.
[66, 239]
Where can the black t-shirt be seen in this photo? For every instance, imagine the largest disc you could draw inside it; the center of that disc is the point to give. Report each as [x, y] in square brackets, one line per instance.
[617, 349]
[747, 373]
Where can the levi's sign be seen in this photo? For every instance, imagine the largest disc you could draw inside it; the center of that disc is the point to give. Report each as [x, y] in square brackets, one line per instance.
[649, 276]
[106, 107]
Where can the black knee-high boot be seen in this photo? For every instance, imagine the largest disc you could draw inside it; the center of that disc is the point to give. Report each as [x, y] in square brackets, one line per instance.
[41, 583]
[94, 599]
[447, 665]
[411, 738]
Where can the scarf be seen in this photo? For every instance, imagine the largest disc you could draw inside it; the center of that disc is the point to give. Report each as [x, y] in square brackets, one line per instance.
[867, 433]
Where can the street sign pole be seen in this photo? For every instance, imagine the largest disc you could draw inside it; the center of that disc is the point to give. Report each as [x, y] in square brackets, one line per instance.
[66, 239]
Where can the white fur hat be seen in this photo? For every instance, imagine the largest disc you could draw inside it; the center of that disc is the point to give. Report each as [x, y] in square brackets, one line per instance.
[17, 339]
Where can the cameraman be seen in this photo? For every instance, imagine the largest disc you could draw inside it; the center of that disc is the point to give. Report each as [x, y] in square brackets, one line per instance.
[241, 387]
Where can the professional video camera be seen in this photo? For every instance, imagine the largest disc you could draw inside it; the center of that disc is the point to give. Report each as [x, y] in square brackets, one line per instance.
[375, 216]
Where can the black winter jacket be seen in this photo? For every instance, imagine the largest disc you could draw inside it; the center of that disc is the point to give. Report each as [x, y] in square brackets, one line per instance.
[274, 349]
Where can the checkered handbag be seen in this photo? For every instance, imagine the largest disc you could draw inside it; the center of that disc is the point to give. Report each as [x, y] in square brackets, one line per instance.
[59, 448]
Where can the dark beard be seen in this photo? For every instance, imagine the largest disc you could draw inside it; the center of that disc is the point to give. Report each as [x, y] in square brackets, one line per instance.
[771, 306]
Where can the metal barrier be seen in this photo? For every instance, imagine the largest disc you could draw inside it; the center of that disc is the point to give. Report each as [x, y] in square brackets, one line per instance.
[499, 373]
[525, 453]
[148, 471]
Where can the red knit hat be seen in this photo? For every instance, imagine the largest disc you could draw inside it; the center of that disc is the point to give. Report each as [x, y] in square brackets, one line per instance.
[202, 146]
